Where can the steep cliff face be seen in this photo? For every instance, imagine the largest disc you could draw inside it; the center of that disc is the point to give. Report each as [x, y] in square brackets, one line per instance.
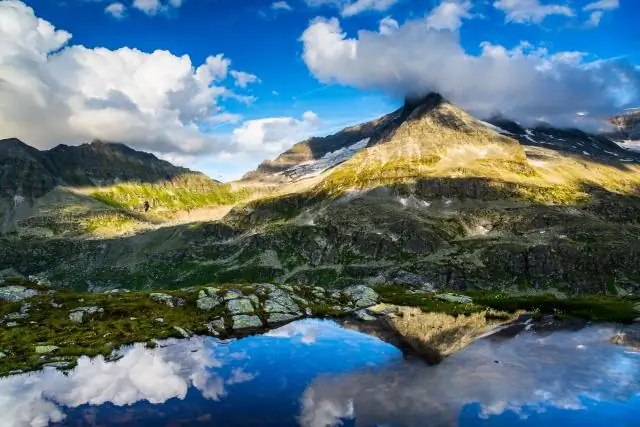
[24, 171]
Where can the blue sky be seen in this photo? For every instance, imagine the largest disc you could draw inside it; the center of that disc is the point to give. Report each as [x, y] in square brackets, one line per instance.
[299, 55]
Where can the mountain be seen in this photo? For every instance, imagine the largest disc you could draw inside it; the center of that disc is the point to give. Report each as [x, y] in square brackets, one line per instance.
[427, 196]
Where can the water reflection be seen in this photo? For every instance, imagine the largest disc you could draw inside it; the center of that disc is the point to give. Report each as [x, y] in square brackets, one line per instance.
[531, 380]
[315, 374]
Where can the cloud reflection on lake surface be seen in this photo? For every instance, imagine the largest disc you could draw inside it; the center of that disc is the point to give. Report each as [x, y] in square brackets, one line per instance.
[314, 373]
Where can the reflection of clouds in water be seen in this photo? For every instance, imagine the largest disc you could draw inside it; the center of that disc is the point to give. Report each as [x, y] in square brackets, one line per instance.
[309, 331]
[534, 373]
[239, 376]
[32, 400]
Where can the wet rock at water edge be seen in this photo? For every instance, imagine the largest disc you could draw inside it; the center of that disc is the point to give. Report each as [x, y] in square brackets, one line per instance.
[16, 293]
[240, 306]
[362, 296]
[182, 332]
[628, 337]
[282, 317]
[162, 298]
[216, 326]
[460, 299]
[243, 321]
[45, 349]
[364, 316]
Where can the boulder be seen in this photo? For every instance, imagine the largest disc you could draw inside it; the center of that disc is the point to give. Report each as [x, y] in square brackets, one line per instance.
[364, 315]
[240, 306]
[280, 302]
[77, 315]
[208, 299]
[362, 296]
[16, 293]
[162, 298]
[182, 332]
[45, 349]
[282, 317]
[232, 294]
[461, 299]
[215, 326]
[243, 321]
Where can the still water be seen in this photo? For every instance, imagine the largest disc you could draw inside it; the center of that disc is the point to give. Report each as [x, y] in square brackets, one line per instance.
[314, 373]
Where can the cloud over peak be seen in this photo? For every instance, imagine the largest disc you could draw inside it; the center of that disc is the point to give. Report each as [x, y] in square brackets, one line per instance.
[524, 81]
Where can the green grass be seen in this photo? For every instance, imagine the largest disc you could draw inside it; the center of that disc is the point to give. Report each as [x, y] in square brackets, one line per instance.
[132, 196]
[595, 308]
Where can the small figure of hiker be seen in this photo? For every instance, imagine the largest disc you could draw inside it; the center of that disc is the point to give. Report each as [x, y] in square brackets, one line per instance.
[146, 206]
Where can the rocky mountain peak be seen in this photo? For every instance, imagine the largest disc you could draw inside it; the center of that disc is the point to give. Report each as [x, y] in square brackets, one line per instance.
[422, 103]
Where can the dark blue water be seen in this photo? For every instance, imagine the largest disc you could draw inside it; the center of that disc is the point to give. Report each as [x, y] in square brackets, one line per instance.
[315, 373]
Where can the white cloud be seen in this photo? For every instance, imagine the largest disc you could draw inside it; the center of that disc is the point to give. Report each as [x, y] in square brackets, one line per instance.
[35, 400]
[243, 79]
[448, 15]
[354, 7]
[281, 5]
[388, 25]
[117, 10]
[52, 92]
[239, 376]
[156, 7]
[273, 135]
[530, 11]
[603, 5]
[414, 59]
[597, 10]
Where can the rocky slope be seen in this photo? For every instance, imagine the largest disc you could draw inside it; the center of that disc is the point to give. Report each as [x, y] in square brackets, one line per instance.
[427, 197]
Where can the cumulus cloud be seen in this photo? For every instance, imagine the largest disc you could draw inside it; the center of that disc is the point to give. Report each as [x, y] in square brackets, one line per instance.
[522, 82]
[555, 371]
[116, 10]
[243, 79]
[281, 5]
[530, 11]
[448, 15]
[52, 92]
[35, 400]
[273, 135]
[354, 7]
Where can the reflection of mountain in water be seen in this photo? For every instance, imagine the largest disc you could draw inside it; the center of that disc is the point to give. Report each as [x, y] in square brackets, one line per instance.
[317, 374]
[526, 375]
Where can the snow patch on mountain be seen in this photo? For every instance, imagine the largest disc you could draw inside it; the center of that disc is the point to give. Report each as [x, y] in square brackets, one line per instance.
[630, 145]
[495, 128]
[313, 168]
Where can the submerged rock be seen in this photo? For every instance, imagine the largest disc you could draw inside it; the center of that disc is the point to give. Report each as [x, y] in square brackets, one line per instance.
[162, 298]
[16, 293]
[243, 321]
[362, 296]
[240, 306]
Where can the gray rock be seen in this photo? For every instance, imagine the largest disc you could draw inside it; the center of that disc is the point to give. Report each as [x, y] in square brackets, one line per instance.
[15, 316]
[280, 302]
[56, 364]
[182, 332]
[77, 314]
[162, 298]
[254, 299]
[45, 349]
[362, 296]
[462, 299]
[243, 321]
[637, 308]
[208, 300]
[215, 326]
[406, 278]
[232, 294]
[308, 312]
[282, 317]
[159, 319]
[16, 293]
[2, 355]
[240, 306]
[364, 316]
[318, 292]
[12, 324]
